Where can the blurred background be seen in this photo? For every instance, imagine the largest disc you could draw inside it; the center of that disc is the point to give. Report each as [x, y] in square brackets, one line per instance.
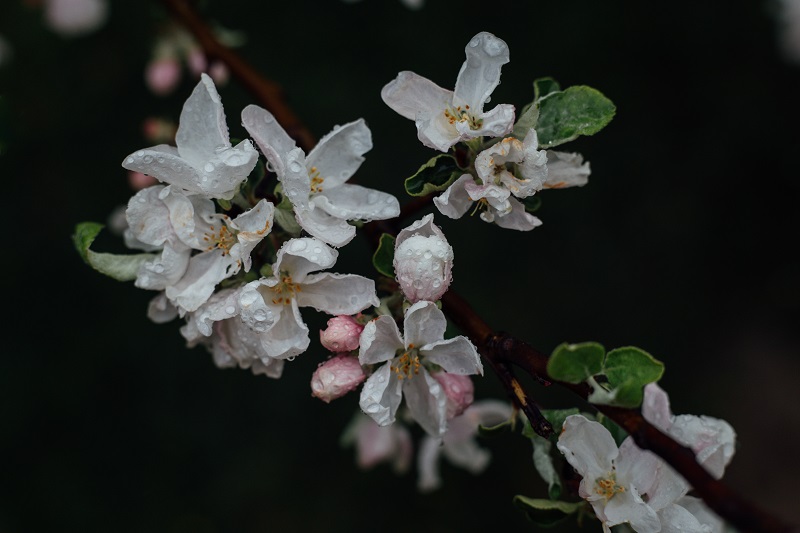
[683, 243]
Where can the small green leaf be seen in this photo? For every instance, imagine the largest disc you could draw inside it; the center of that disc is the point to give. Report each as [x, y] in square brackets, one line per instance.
[565, 115]
[224, 204]
[531, 203]
[265, 271]
[544, 86]
[119, 267]
[435, 175]
[493, 431]
[547, 513]
[628, 370]
[573, 363]
[383, 258]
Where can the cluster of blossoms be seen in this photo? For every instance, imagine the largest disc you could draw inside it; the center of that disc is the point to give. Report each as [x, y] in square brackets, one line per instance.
[633, 486]
[504, 169]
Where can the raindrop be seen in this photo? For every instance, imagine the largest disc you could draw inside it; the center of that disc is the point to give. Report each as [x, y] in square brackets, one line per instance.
[148, 159]
[230, 309]
[268, 118]
[317, 250]
[294, 166]
[158, 268]
[248, 298]
[374, 408]
[160, 159]
[292, 358]
[140, 153]
[209, 167]
[314, 258]
[298, 246]
[130, 160]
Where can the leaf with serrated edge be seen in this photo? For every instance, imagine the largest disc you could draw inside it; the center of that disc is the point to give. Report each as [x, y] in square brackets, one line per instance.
[119, 267]
[573, 363]
[568, 114]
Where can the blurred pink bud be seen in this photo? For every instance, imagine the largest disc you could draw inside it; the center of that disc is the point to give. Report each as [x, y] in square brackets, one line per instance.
[336, 377]
[162, 75]
[375, 444]
[423, 261]
[219, 72]
[460, 392]
[139, 181]
[196, 60]
[75, 17]
[342, 334]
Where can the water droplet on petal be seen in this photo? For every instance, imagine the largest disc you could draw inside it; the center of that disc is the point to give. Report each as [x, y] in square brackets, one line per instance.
[209, 167]
[230, 309]
[298, 246]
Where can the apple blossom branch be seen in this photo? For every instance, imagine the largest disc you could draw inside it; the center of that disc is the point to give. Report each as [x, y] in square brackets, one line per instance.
[500, 350]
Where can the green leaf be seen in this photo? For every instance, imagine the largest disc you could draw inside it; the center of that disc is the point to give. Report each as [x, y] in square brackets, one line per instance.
[435, 175]
[119, 267]
[547, 513]
[557, 416]
[573, 363]
[544, 86]
[224, 204]
[531, 203]
[565, 115]
[527, 120]
[383, 258]
[628, 370]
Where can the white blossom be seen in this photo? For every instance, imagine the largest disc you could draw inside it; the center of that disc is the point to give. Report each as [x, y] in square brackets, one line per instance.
[423, 261]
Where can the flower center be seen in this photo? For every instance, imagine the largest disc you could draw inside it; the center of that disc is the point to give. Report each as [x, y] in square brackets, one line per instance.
[608, 487]
[221, 238]
[459, 114]
[316, 180]
[408, 364]
[285, 289]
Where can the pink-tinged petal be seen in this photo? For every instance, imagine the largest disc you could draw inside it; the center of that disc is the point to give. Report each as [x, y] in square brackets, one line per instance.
[426, 402]
[588, 447]
[380, 341]
[298, 257]
[566, 169]
[480, 73]
[428, 478]
[272, 368]
[336, 377]
[712, 439]
[337, 156]
[629, 507]
[354, 202]
[411, 95]
[518, 219]
[381, 395]
[327, 228]
[637, 467]
[455, 201]
[337, 294]
[202, 128]
[271, 138]
[466, 454]
[460, 392]
[375, 444]
[424, 324]
[342, 334]
[655, 407]
[457, 356]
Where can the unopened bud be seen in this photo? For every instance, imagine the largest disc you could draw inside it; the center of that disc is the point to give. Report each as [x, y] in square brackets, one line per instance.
[336, 377]
[342, 334]
[423, 261]
[162, 75]
[460, 392]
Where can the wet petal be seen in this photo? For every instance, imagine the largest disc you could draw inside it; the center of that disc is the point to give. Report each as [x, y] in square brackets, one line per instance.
[337, 294]
[337, 156]
[456, 356]
[298, 257]
[480, 73]
[380, 341]
[354, 202]
[411, 95]
[518, 218]
[271, 138]
[381, 395]
[455, 201]
[424, 324]
[327, 228]
[426, 402]
[202, 129]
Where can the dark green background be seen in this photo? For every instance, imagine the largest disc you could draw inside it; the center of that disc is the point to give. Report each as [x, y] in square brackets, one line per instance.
[682, 244]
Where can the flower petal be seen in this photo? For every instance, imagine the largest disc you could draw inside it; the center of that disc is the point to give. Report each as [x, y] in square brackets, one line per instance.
[588, 447]
[629, 507]
[655, 407]
[270, 137]
[325, 227]
[253, 225]
[480, 73]
[354, 202]
[426, 402]
[455, 201]
[338, 154]
[197, 284]
[411, 95]
[288, 336]
[518, 218]
[202, 128]
[337, 294]
[638, 467]
[381, 395]
[424, 324]
[428, 478]
[298, 257]
[566, 169]
[457, 356]
[380, 341]
[677, 519]
[712, 439]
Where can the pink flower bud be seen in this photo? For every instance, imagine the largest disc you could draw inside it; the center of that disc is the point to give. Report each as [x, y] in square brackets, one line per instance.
[336, 377]
[162, 75]
[139, 181]
[219, 72]
[196, 60]
[459, 390]
[342, 334]
[423, 261]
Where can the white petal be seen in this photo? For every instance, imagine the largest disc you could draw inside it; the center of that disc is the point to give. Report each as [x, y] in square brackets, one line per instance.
[628, 506]
[165, 164]
[703, 514]
[676, 519]
[588, 447]
[270, 137]
[455, 201]
[411, 95]
[437, 132]
[295, 179]
[712, 439]
[288, 337]
[518, 218]
[354, 202]
[496, 196]
[148, 217]
[380, 341]
[480, 73]
[160, 310]
[655, 407]
[337, 294]
[202, 127]
[164, 270]
[467, 454]
[637, 467]
[566, 170]
[424, 324]
[427, 402]
[495, 123]
[457, 356]
[332, 230]
[223, 171]
[300, 256]
[253, 225]
[428, 478]
[381, 395]
[338, 154]
[205, 270]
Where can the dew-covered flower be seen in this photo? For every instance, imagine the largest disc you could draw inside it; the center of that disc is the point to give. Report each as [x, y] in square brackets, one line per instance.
[204, 161]
[407, 360]
[271, 305]
[316, 183]
[164, 217]
[423, 261]
[336, 377]
[445, 117]
[458, 444]
[342, 334]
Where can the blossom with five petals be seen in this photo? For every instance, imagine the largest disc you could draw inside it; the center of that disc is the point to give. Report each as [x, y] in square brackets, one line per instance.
[204, 161]
[445, 117]
[315, 183]
[405, 372]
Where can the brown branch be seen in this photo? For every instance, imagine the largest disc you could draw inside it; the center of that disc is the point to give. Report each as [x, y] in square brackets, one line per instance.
[267, 92]
[500, 350]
